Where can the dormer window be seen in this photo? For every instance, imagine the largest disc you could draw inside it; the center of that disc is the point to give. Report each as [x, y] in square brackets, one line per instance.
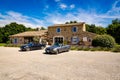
[74, 29]
[58, 30]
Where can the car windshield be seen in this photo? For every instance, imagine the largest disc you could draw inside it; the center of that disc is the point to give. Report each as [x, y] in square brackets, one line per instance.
[56, 45]
[29, 44]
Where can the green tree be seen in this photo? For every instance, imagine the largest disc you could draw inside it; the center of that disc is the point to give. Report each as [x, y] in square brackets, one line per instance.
[114, 30]
[66, 22]
[100, 30]
[1, 34]
[10, 29]
[36, 39]
[91, 28]
[74, 21]
[71, 22]
[43, 28]
[96, 29]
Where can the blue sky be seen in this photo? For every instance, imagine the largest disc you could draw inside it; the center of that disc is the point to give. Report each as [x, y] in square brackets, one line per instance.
[36, 13]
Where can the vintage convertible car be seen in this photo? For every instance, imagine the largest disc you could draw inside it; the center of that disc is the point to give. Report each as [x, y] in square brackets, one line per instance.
[32, 46]
[57, 48]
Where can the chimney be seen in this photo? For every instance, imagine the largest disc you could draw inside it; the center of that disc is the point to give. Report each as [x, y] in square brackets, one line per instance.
[84, 27]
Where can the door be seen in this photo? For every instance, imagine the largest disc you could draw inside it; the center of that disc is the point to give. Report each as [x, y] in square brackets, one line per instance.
[58, 40]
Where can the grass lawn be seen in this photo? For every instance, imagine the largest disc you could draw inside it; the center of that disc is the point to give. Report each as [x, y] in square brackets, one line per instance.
[2, 44]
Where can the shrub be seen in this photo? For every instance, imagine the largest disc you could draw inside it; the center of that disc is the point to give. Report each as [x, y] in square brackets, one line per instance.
[73, 48]
[8, 42]
[86, 49]
[116, 48]
[103, 41]
[93, 49]
[80, 48]
[2, 44]
[12, 45]
[36, 39]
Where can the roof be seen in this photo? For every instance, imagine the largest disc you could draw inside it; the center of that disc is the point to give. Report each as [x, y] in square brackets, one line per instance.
[71, 24]
[30, 33]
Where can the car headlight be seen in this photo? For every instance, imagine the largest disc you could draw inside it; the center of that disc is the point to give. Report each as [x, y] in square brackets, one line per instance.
[26, 46]
[55, 49]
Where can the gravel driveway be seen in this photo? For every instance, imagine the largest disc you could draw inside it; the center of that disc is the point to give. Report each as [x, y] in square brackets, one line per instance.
[73, 65]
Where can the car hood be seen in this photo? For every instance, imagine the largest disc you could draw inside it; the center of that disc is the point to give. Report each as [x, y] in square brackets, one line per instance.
[52, 47]
[24, 45]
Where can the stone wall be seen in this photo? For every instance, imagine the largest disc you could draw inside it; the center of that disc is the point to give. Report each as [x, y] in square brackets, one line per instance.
[66, 32]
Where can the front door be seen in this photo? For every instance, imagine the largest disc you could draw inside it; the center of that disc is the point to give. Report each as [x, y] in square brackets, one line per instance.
[58, 40]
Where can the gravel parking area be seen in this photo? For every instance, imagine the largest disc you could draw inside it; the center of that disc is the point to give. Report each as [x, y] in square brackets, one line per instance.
[72, 65]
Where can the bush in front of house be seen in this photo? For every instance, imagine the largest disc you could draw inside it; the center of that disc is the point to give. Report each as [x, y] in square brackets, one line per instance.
[73, 48]
[103, 41]
[13, 45]
[116, 48]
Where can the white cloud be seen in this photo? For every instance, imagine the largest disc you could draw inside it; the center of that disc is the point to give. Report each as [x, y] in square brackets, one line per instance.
[87, 16]
[90, 17]
[63, 6]
[115, 10]
[11, 16]
[72, 6]
[79, 16]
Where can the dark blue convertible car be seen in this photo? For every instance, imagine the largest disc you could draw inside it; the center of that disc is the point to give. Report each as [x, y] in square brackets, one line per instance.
[32, 46]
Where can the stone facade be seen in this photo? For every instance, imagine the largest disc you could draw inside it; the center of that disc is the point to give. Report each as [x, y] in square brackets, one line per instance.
[74, 33]
[26, 37]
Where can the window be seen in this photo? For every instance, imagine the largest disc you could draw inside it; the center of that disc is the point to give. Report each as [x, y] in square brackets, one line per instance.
[15, 40]
[90, 39]
[74, 29]
[84, 38]
[58, 30]
[74, 39]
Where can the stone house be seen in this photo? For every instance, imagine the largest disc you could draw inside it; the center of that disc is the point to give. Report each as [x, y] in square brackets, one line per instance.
[74, 33]
[26, 37]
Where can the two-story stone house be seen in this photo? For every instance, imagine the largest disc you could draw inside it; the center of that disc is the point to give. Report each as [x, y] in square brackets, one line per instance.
[74, 33]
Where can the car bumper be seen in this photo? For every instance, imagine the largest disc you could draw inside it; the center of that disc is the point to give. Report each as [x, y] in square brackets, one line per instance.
[23, 49]
[50, 51]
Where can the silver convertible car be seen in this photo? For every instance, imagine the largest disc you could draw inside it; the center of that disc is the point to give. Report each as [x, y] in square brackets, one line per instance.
[57, 48]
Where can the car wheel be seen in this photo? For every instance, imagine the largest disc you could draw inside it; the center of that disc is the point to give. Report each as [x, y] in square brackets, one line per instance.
[42, 47]
[57, 51]
[67, 50]
[27, 49]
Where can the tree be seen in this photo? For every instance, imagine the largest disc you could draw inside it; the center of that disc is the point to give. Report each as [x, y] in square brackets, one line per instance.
[1, 35]
[10, 29]
[71, 22]
[66, 22]
[43, 28]
[100, 30]
[91, 28]
[36, 39]
[116, 21]
[96, 29]
[74, 21]
[114, 30]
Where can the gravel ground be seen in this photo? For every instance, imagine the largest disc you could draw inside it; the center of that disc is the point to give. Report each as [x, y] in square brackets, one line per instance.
[73, 65]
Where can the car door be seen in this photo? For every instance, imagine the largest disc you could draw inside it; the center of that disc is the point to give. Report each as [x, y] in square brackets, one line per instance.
[37, 46]
[62, 48]
[34, 46]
